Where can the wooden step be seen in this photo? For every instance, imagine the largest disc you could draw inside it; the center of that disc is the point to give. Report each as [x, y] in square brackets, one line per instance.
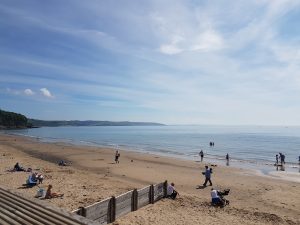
[16, 209]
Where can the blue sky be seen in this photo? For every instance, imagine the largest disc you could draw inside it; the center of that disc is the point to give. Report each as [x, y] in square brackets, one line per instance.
[173, 61]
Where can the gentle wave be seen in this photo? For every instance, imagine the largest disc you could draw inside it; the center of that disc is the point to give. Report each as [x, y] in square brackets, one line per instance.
[245, 145]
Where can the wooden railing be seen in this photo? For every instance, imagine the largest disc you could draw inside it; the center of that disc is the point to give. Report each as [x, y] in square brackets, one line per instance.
[108, 210]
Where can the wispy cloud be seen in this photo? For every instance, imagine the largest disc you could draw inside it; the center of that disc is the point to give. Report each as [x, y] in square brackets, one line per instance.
[201, 62]
[45, 92]
[28, 92]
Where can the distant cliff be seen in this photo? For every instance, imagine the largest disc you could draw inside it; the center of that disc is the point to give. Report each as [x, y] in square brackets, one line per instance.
[11, 120]
[56, 123]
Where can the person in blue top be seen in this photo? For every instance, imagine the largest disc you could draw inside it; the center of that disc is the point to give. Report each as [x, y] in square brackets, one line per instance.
[207, 174]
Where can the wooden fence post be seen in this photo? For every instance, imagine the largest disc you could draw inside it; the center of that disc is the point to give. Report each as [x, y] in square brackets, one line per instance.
[134, 200]
[112, 210]
[165, 188]
[82, 211]
[151, 194]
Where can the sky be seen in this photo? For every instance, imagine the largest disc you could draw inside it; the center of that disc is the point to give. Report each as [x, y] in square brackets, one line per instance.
[227, 62]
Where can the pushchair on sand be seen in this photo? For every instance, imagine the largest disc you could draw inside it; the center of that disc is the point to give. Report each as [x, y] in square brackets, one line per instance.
[222, 201]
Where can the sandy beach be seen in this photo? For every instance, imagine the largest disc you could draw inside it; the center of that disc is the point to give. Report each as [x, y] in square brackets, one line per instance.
[93, 176]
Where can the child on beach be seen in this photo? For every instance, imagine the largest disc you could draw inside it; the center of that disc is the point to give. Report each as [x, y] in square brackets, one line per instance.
[117, 156]
[49, 194]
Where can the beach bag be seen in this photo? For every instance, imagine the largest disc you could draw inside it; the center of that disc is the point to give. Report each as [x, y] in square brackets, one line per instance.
[40, 193]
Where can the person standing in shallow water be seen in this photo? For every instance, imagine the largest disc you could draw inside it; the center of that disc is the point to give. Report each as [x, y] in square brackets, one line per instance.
[201, 155]
[227, 159]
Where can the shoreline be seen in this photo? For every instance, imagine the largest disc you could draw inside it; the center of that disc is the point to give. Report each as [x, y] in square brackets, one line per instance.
[266, 168]
[94, 176]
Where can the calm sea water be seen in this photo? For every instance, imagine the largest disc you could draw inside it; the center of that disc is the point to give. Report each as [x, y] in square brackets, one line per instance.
[250, 144]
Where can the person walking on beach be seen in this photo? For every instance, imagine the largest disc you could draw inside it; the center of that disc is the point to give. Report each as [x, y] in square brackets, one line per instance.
[207, 175]
[276, 160]
[201, 155]
[117, 156]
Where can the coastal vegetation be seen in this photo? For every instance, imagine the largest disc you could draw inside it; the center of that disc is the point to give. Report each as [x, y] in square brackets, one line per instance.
[56, 123]
[11, 120]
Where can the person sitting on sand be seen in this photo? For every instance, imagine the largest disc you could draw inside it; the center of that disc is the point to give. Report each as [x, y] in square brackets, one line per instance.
[34, 177]
[18, 168]
[49, 194]
[31, 181]
[171, 192]
[62, 163]
[215, 198]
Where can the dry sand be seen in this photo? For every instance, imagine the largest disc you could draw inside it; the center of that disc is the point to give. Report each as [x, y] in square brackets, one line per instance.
[93, 176]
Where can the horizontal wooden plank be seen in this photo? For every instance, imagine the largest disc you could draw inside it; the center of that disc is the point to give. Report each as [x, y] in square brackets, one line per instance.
[97, 210]
[145, 196]
[158, 197]
[123, 204]
[102, 220]
[159, 191]
[158, 186]
[144, 190]
[123, 211]
[143, 202]
[76, 211]
[121, 198]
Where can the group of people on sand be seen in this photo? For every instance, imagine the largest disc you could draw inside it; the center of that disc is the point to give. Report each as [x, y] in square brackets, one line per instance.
[34, 179]
[217, 198]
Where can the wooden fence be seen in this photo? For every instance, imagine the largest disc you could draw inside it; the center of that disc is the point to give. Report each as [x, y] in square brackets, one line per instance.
[108, 210]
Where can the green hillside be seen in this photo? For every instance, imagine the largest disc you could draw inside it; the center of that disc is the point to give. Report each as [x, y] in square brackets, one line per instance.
[11, 120]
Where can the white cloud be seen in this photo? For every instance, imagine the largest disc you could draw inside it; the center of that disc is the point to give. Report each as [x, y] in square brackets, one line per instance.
[46, 92]
[28, 92]
[209, 40]
[170, 49]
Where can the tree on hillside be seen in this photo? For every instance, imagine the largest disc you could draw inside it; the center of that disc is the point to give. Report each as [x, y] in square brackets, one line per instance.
[12, 120]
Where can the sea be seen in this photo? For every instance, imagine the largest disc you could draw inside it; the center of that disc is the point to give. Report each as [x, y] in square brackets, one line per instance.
[247, 146]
